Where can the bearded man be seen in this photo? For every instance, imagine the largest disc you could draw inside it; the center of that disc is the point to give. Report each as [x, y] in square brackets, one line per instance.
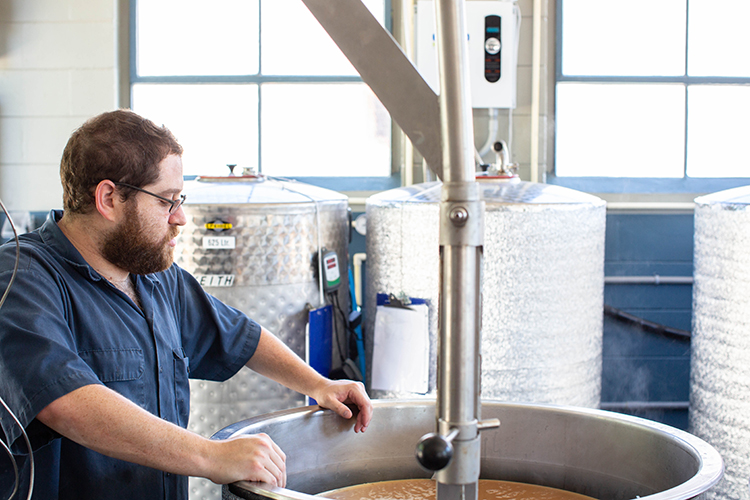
[100, 332]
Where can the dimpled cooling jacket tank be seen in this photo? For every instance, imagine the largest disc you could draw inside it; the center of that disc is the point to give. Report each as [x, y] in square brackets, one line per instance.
[542, 284]
[275, 228]
[720, 362]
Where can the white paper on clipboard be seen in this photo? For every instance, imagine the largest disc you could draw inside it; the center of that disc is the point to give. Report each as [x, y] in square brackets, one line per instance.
[401, 351]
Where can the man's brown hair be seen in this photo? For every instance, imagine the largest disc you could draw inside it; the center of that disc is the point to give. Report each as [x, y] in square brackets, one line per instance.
[118, 145]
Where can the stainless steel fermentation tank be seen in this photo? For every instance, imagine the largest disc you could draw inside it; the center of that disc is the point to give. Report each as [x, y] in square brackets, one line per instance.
[542, 284]
[253, 243]
[601, 454]
[720, 362]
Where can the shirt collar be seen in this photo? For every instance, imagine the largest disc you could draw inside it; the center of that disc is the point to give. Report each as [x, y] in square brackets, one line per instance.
[53, 236]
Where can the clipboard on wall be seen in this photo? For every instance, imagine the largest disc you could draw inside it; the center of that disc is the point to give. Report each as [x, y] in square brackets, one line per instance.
[401, 349]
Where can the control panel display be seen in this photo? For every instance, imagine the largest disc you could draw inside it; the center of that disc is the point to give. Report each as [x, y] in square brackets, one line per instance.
[492, 48]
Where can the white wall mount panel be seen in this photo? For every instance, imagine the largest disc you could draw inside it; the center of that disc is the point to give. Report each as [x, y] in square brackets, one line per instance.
[485, 93]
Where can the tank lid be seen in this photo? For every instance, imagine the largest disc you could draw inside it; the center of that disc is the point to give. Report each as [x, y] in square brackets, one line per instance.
[735, 196]
[258, 189]
[493, 191]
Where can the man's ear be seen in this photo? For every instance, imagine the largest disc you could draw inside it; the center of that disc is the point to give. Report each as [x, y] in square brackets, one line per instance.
[107, 200]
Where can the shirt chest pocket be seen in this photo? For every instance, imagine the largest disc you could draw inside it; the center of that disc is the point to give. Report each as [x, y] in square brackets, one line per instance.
[119, 369]
[181, 385]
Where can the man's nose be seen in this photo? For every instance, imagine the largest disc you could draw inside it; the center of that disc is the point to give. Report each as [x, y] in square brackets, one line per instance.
[178, 217]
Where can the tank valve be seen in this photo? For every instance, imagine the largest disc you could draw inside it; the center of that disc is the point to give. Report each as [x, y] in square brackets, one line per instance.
[434, 451]
[503, 165]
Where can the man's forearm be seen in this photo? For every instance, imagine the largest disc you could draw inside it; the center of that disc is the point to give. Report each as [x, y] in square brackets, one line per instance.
[104, 421]
[274, 360]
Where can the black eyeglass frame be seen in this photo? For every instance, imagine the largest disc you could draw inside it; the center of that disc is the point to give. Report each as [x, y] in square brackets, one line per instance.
[174, 204]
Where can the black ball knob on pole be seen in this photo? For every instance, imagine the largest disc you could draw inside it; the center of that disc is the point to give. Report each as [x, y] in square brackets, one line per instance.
[434, 452]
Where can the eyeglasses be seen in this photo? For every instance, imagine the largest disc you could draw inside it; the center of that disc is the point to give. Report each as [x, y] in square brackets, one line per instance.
[173, 204]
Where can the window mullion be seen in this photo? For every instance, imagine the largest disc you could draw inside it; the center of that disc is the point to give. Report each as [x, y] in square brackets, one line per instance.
[687, 88]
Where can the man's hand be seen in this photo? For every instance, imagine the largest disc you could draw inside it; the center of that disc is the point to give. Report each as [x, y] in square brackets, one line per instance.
[334, 393]
[251, 457]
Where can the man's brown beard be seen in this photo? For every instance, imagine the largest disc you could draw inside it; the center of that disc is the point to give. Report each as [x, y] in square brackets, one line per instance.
[128, 247]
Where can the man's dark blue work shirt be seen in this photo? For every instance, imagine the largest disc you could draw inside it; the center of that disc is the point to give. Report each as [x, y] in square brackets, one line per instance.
[64, 326]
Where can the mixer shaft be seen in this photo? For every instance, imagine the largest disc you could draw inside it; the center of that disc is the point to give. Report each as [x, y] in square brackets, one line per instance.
[461, 235]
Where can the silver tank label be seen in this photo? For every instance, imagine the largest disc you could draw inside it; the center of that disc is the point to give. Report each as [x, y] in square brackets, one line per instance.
[220, 242]
[216, 280]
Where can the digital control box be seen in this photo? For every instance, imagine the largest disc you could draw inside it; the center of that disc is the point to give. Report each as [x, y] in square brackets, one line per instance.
[492, 38]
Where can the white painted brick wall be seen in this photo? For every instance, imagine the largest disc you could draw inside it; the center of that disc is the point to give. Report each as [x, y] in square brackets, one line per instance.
[57, 68]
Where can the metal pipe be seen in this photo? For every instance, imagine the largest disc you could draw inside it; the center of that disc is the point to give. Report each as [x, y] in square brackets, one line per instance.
[492, 126]
[459, 380]
[536, 72]
[646, 325]
[357, 260]
[458, 371]
[405, 37]
[648, 280]
[454, 102]
[461, 236]
[620, 406]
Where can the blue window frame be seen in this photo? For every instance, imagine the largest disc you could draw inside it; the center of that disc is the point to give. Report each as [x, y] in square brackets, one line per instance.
[259, 84]
[651, 95]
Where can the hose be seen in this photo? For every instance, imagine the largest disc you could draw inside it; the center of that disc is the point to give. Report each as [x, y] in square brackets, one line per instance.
[650, 326]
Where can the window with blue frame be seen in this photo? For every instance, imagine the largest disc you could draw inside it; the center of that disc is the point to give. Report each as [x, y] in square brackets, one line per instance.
[258, 84]
[656, 91]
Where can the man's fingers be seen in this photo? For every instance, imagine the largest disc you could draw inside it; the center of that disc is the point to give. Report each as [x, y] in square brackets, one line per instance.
[359, 397]
[341, 409]
[273, 460]
[339, 392]
[279, 460]
[276, 474]
[253, 457]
